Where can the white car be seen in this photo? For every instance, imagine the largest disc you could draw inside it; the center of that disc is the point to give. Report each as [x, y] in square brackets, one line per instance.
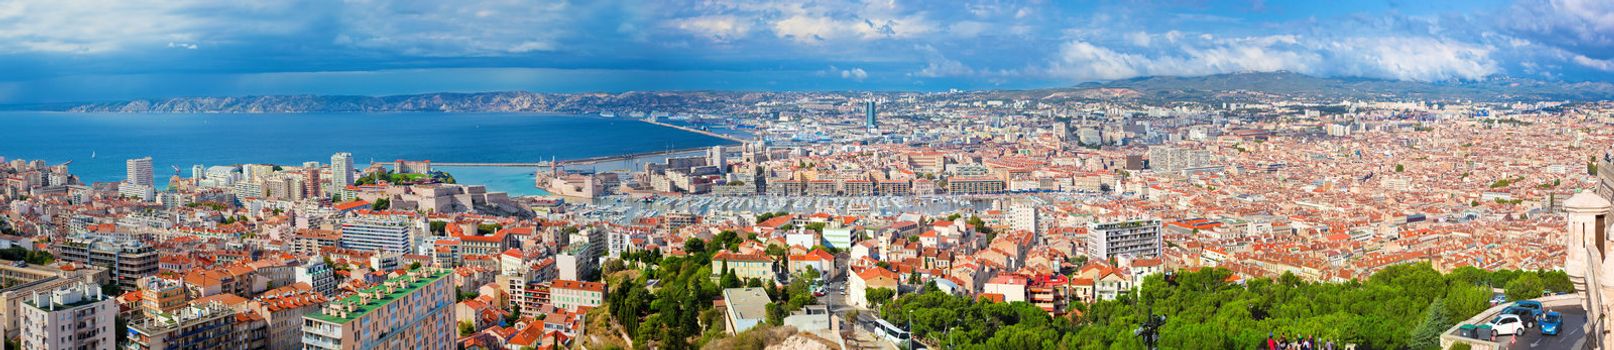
[1507, 324]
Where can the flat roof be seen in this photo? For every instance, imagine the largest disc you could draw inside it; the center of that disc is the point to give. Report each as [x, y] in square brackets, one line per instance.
[747, 303]
[361, 308]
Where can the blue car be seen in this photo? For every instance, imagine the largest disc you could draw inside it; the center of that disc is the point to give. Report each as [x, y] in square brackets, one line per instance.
[1529, 304]
[1551, 322]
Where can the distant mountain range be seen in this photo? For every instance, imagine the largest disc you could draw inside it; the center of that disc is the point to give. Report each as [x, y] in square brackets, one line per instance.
[1289, 84]
[1212, 88]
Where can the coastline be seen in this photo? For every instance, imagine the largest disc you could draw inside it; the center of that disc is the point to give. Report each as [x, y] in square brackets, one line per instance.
[178, 141]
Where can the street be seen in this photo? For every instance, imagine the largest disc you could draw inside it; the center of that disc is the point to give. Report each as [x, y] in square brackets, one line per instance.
[1572, 332]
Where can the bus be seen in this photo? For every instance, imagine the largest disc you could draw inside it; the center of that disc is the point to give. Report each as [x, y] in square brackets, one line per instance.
[891, 332]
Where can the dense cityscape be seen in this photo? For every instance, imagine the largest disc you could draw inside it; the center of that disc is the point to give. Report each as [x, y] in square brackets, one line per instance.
[839, 222]
[806, 175]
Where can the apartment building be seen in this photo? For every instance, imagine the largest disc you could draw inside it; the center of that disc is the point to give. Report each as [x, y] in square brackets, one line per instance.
[1136, 238]
[125, 258]
[412, 311]
[77, 316]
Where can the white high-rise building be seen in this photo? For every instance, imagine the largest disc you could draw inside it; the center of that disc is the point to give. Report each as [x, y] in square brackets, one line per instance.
[341, 170]
[1023, 217]
[138, 172]
[72, 317]
[715, 158]
[389, 232]
[1139, 238]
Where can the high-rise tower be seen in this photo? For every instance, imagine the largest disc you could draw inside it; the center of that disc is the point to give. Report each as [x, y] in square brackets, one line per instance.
[138, 172]
[341, 170]
[868, 114]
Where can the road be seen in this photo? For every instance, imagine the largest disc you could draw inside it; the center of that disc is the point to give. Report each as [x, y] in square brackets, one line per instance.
[1572, 332]
[859, 334]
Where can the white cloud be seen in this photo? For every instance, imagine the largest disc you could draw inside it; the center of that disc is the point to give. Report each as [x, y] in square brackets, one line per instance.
[403, 26]
[92, 27]
[814, 29]
[938, 65]
[855, 74]
[1084, 61]
[1593, 63]
[1173, 36]
[1140, 39]
[718, 28]
[968, 29]
[1413, 58]
[1404, 58]
[434, 28]
[1578, 23]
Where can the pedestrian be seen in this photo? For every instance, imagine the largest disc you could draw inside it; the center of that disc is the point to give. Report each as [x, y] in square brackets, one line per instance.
[1271, 344]
[1283, 343]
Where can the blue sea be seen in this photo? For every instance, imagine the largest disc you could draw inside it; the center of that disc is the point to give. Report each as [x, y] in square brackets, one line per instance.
[182, 140]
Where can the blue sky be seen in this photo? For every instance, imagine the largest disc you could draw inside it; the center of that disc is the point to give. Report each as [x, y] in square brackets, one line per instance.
[69, 50]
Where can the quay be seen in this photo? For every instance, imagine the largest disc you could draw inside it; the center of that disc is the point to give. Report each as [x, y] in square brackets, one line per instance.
[697, 131]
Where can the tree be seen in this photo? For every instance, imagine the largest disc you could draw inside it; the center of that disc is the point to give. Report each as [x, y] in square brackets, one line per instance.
[466, 328]
[1556, 281]
[695, 246]
[1435, 322]
[612, 266]
[877, 296]
[777, 252]
[1399, 168]
[381, 204]
[776, 314]
[414, 266]
[730, 280]
[1527, 286]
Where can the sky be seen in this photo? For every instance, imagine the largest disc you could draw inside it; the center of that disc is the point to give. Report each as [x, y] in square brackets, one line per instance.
[77, 50]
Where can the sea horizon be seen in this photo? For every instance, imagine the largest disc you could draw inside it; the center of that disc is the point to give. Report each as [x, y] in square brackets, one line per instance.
[97, 143]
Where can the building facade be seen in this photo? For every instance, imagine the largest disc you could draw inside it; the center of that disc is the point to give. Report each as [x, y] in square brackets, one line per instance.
[201, 327]
[570, 295]
[413, 311]
[379, 232]
[127, 260]
[77, 316]
[1137, 238]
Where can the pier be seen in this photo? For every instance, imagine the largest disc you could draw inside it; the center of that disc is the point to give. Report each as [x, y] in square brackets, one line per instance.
[603, 159]
[581, 161]
[697, 131]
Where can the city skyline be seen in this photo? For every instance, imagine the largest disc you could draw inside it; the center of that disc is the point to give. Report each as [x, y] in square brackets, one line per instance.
[166, 49]
[806, 175]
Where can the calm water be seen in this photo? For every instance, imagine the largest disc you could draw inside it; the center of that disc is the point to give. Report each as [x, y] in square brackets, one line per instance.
[181, 140]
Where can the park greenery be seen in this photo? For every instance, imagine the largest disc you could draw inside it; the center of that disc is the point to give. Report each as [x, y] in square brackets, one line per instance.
[36, 257]
[375, 177]
[678, 314]
[1400, 307]
[667, 303]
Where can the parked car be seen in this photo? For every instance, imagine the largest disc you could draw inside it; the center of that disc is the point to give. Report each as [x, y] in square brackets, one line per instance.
[1509, 324]
[1498, 299]
[1551, 322]
[1528, 316]
[1529, 304]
